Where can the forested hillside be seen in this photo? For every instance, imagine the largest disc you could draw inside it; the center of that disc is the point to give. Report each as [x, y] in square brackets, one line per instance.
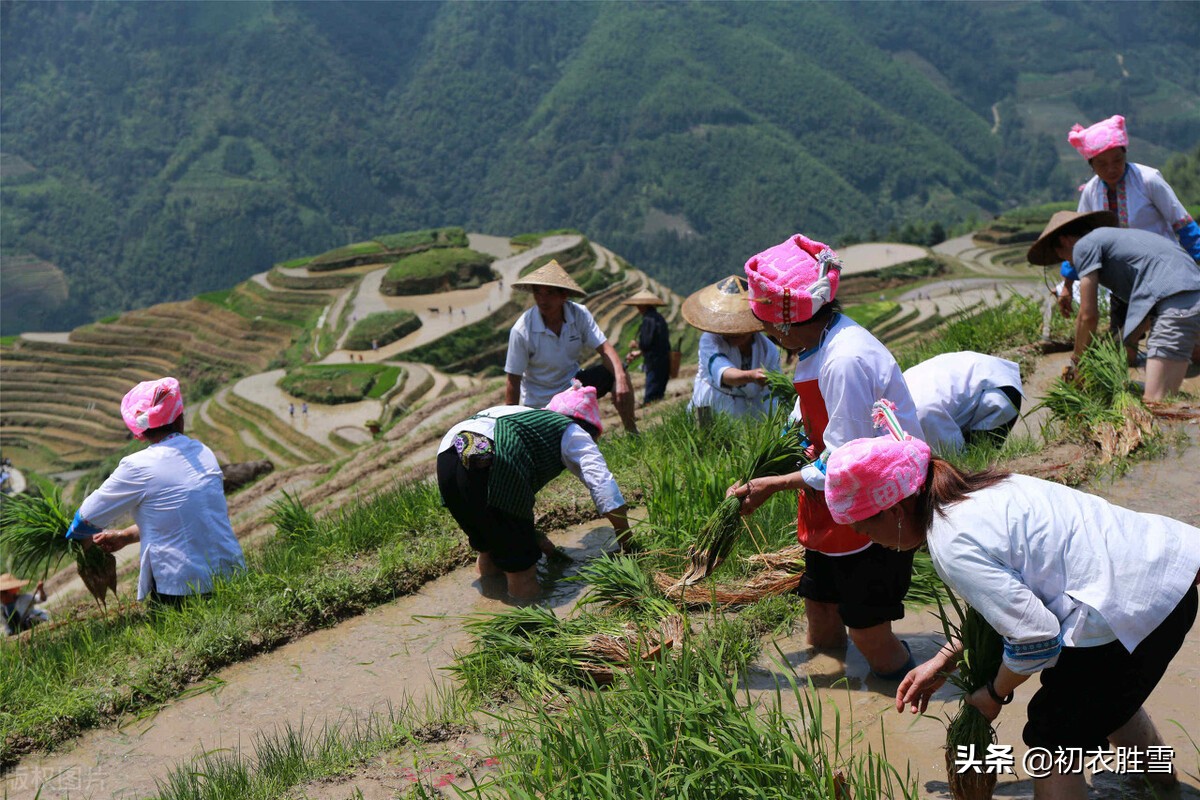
[154, 150]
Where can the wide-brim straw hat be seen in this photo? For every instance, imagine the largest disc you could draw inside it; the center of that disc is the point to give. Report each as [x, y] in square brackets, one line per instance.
[644, 299]
[1043, 252]
[723, 307]
[9, 582]
[550, 274]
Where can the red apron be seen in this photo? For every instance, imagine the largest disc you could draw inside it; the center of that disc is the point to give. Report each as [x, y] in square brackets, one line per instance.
[815, 528]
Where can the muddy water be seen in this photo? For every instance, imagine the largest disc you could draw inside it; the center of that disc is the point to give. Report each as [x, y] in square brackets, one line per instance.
[392, 654]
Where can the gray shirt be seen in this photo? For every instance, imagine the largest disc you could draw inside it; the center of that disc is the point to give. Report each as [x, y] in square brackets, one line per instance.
[1140, 267]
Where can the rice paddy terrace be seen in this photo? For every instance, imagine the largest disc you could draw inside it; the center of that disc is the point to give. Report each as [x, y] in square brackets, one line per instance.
[238, 345]
[231, 349]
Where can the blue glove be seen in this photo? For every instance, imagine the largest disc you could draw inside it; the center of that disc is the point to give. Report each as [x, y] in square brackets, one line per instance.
[81, 529]
[1068, 272]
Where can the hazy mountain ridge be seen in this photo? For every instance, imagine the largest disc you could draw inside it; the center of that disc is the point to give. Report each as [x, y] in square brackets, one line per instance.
[182, 147]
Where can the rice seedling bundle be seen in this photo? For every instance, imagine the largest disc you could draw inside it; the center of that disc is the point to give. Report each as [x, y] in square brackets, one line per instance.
[982, 652]
[1100, 402]
[552, 653]
[32, 528]
[777, 455]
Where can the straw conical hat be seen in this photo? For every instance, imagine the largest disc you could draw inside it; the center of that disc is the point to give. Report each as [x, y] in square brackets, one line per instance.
[723, 307]
[644, 299]
[1042, 253]
[550, 274]
[9, 582]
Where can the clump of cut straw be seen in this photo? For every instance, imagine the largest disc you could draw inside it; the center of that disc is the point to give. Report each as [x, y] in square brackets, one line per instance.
[778, 455]
[763, 584]
[982, 651]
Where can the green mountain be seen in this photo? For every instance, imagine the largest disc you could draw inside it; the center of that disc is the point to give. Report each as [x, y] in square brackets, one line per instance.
[156, 150]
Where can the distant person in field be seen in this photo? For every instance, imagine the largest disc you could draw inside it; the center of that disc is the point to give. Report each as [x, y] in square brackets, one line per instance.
[173, 489]
[851, 583]
[549, 340]
[965, 397]
[735, 355]
[1138, 195]
[1153, 275]
[653, 344]
[18, 608]
[490, 468]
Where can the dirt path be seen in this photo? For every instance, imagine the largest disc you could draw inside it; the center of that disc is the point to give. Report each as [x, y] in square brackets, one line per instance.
[391, 654]
[321, 420]
[446, 311]
[871, 256]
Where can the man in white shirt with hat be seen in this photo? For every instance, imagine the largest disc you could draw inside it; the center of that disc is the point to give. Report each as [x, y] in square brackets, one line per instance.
[548, 341]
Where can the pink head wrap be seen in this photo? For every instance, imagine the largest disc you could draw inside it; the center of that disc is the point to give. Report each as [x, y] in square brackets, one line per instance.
[578, 402]
[151, 404]
[1104, 135]
[791, 281]
[866, 476]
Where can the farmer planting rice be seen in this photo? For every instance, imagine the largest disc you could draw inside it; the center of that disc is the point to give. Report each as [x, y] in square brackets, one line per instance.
[173, 490]
[735, 356]
[653, 344]
[1138, 195]
[1154, 276]
[1061, 576]
[491, 466]
[964, 397]
[548, 341]
[19, 609]
[841, 370]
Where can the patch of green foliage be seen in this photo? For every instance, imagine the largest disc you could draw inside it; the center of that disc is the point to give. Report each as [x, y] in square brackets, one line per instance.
[871, 314]
[534, 239]
[339, 383]
[472, 346]
[381, 328]
[437, 270]
[431, 237]
[1014, 322]
[93, 669]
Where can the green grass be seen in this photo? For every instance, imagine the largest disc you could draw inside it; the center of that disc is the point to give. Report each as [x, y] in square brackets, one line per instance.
[437, 270]
[382, 327]
[93, 669]
[871, 314]
[534, 239]
[431, 237]
[295, 262]
[340, 383]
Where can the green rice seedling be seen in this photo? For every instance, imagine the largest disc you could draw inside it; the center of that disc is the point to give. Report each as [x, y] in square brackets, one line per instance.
[775, 454]
[31, 532]
[680, 728]
[1101, 404]
[291, 519]
[926, 587]
[982, 651]
[621, 583]
[32, 528]
[781, 387]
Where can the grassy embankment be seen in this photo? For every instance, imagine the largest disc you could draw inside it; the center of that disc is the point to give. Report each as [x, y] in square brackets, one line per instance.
[340, 383]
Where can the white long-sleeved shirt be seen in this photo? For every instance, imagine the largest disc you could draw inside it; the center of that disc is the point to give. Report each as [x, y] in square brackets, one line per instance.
[174, 491]
[1052, 567]
[718, 355]
[579, 454]
[960, 392]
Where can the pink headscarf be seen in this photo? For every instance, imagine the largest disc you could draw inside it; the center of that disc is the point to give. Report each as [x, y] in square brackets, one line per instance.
[151, 404]
[1104, 135]
[578, 402]
[791, 281]
[866, 476]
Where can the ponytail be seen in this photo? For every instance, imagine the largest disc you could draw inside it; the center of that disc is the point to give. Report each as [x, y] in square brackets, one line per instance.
[946, 485]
